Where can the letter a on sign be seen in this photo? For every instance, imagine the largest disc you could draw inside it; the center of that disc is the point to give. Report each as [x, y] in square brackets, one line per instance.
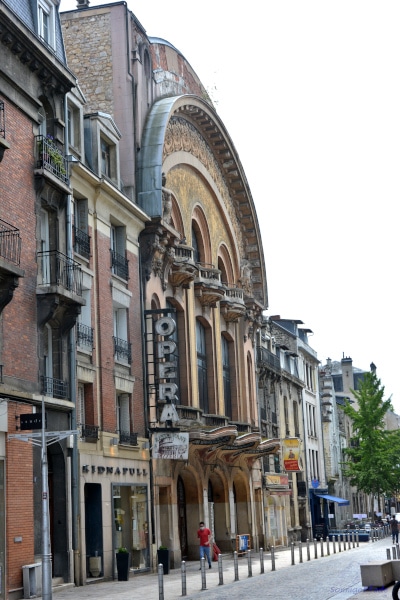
[169, 414]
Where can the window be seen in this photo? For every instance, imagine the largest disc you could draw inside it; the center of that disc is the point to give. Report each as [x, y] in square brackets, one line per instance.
[105, 158]
[226, 376]
[119, 262]
[73, 116]
[84, 324]
[202, 366]
[124, 421]
[46, 22]
[80, 228]
[122, 348]
[196, 247]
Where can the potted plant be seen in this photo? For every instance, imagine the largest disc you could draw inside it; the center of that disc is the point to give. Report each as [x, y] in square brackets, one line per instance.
[163, 558]
[123, 558]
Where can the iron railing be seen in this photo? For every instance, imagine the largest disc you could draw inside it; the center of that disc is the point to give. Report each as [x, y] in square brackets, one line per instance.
[81, 242]
[266, 356]
[125, 437]
[57, 388]
[122, 350]
[90, 432]
[59, 269]
[10, 243]
[84, 335]
[51, 158]
[119, 265]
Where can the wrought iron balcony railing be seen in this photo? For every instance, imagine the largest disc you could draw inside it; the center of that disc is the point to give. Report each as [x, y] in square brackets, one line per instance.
[84, 335]
[122, 350]
[90, 432]
[119, 265]
[54, 387]
[10, 243]
[51, 158]
[128, 438]
[58, 269]
[266, 356]
[81, 242]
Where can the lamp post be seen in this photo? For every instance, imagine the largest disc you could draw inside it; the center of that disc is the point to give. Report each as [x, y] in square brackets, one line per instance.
[47, 591]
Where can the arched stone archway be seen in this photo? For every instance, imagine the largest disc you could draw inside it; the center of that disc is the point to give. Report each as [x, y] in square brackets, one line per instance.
[218, 511]
[189, 499]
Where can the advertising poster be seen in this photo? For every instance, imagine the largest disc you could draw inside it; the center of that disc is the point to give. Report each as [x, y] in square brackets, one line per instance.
[171, 445]
[291, 452]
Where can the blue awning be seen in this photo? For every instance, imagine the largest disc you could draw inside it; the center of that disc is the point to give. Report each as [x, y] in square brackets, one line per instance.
[340, 501]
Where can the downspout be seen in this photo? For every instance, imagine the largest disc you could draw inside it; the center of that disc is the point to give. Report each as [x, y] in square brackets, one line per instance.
[75, 571]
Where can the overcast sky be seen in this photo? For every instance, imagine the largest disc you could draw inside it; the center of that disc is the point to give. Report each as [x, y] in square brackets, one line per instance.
[310, 94]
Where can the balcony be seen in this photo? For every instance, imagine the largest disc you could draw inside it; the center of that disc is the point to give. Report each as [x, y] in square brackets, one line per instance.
[81, 242]
[268, 364]
[59, 290]
[119, 265]
[50, 158]
[207, 285]
[215, 420]
[4, 145]
[84, 335]
[56, 388]
[232, 304]
[128, 438]
[183, 269]
[122, 350]
[10, 252]
[89, 433]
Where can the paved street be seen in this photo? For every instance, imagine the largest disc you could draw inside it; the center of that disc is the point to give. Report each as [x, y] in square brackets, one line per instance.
[334, 577]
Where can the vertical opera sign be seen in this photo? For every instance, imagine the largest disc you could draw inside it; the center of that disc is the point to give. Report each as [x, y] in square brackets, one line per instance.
[167, 364]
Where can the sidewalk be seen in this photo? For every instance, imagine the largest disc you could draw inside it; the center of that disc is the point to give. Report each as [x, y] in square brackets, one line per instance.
[302, 577]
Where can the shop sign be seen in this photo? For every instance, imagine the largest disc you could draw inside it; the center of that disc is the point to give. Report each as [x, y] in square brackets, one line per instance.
[171, 445]
[291, 454]
[166, 362]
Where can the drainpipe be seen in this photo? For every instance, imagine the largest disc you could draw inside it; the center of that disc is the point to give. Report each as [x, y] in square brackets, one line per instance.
[75, 571]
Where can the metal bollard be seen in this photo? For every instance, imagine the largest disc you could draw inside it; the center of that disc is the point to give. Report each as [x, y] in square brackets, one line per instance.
[358, 538]
[394, 553]
[328, 552]
[388, 553]
[249, 568]
[261, 560]
[339, 545]
[292, 552]
[322, 546]
[300, 552]
[220, 572]
[203, 574]
[183, 576]
[315, 549]
[235, 565]
[272, 558]
[398, 551]
[308, 549]
[353, 539]
[160, 582]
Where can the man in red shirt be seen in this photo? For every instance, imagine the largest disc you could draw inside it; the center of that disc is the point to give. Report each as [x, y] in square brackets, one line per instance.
[204, 535]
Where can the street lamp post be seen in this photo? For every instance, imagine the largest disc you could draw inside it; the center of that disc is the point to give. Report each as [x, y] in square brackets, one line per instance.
[47, 590]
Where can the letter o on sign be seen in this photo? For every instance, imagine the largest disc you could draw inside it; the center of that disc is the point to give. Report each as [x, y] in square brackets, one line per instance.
[165, 326]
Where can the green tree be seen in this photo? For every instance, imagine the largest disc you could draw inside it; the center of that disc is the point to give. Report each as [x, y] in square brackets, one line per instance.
[372, 463]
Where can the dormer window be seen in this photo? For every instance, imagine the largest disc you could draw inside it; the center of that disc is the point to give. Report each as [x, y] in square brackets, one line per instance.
[46, 22]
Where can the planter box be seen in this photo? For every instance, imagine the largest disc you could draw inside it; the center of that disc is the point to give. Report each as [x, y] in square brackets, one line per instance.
[163, 558]
[123, 562]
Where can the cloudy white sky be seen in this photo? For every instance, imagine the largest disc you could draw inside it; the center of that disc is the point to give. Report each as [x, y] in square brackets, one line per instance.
[310, 94]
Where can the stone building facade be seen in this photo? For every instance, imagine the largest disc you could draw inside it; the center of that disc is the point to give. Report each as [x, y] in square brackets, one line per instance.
[202, 275]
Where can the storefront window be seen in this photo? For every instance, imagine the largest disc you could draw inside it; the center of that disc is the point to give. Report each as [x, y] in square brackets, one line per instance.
[131, 530]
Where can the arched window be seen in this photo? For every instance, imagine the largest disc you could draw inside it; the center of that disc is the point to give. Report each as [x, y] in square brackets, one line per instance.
[202, 366]
[196, 247]
[226, 376]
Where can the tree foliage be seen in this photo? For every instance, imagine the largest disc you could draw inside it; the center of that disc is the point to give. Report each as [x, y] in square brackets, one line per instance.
[372, 463]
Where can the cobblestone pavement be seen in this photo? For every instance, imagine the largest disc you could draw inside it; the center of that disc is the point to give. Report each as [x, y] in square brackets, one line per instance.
[333, 577]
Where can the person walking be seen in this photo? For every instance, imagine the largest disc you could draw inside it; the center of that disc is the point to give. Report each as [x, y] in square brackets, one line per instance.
[204, 535]
[394, 526]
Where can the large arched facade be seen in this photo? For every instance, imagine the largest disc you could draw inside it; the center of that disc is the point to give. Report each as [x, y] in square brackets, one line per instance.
[202, 259]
